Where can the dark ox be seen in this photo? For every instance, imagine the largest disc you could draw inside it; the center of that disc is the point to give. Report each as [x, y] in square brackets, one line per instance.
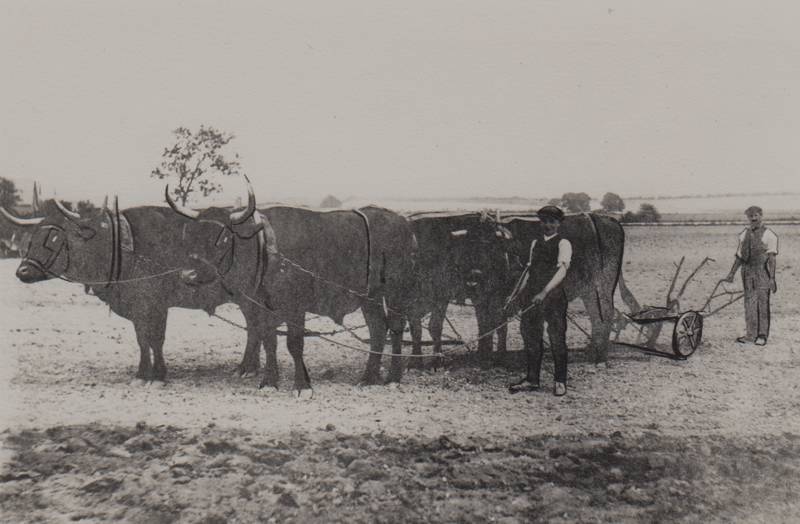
[127, 259]
[439, 277]
[494, 254]
[301, 261]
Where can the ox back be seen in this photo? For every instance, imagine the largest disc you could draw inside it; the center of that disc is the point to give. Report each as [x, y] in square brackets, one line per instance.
[326, 263]
[598, 244]
[331, 262]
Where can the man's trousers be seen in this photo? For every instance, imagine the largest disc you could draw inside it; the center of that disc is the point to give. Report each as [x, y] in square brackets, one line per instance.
[553, 310]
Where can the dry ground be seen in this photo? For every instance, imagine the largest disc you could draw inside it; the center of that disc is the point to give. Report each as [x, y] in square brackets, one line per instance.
[713, 438]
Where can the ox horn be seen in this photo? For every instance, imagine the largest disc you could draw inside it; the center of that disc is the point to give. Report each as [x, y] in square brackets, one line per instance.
[72, 215]
[459, 233]
[21, 221]
[237, 217]
[185, 211]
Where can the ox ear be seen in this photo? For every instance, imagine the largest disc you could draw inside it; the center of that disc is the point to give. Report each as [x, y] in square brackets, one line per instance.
[459, 233]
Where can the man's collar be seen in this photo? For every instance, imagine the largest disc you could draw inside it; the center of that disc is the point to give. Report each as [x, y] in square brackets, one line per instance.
[546, 238]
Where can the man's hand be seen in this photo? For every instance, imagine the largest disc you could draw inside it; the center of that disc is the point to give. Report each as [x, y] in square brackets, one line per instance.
[510, 305]
[773, 286]
[538, 298]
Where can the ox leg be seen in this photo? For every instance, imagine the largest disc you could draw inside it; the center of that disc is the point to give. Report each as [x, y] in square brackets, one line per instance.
[145, 370]
[295, 340]
[436, 326]
[157, 344]
[396, 326]
[269, 336]
[251, 360]
[484, 317]
[150, 336]
[376, 322]
[416, 343]
[486, 326]
[601, 327]
[499, 322]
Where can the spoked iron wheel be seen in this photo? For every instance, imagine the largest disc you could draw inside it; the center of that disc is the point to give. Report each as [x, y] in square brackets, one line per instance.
[688, 334]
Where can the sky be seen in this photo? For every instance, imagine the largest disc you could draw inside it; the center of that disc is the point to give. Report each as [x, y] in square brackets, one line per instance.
[409, 99]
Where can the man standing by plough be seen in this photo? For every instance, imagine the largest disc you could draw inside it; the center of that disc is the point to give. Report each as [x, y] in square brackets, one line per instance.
[544, 300]
[756, 254]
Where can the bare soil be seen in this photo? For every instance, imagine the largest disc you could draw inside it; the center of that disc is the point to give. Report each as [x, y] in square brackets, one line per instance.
[712, 438]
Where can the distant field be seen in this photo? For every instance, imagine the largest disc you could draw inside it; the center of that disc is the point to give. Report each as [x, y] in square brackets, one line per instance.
[687, 209]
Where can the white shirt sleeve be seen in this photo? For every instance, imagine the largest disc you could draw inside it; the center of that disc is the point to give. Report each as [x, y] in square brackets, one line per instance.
[564, 253]
[770, 239]
[741, 241]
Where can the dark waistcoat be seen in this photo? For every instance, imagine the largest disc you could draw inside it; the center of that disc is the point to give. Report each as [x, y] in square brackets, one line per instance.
[544, 259]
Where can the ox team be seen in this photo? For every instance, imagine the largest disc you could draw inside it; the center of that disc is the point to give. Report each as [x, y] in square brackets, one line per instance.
[118, 256]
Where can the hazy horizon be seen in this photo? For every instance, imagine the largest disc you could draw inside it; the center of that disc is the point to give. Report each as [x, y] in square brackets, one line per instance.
[406, 100]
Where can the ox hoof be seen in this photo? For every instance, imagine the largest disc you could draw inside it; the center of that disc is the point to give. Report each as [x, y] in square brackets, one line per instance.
[601, 366]
[138, 383]
[369, 380]
[304, 394]
[247, 374]
[268, 387]
[418, 362]
[157, 384]
[393, 378]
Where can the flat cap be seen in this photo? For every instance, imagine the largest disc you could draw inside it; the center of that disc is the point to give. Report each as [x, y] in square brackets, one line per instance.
[552, 212]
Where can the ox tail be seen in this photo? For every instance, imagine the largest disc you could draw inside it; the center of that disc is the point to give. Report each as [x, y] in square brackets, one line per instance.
[369, 244]
[597, 238]
[627, 295]
[606, 313]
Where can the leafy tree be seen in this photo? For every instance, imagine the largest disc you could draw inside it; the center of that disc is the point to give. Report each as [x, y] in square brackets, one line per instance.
[330, 201]
[9, 194]
[577, 202]
[612, 202]
[648, 213]
[85, 207]
[193, 158]
[554, 202]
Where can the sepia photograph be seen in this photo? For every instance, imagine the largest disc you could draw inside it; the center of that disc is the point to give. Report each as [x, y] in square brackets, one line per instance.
[399, 262]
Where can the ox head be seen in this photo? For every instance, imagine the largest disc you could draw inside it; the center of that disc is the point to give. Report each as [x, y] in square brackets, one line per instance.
[210, 240]
[65, 244]
[481, 257]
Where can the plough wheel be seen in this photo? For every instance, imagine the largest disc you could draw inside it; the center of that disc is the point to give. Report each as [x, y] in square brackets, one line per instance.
[688, 334]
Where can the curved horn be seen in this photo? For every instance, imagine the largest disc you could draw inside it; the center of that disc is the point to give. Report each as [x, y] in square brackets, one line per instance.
[238, 217]
[21, 221]
[185, 211]
[459, 233]
[72, 215]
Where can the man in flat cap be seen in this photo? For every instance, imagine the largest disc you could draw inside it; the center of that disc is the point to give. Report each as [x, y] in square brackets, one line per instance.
[756, 254]
[543, 300]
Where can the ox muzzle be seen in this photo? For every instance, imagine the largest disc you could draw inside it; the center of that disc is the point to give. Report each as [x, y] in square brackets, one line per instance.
[30, 271]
